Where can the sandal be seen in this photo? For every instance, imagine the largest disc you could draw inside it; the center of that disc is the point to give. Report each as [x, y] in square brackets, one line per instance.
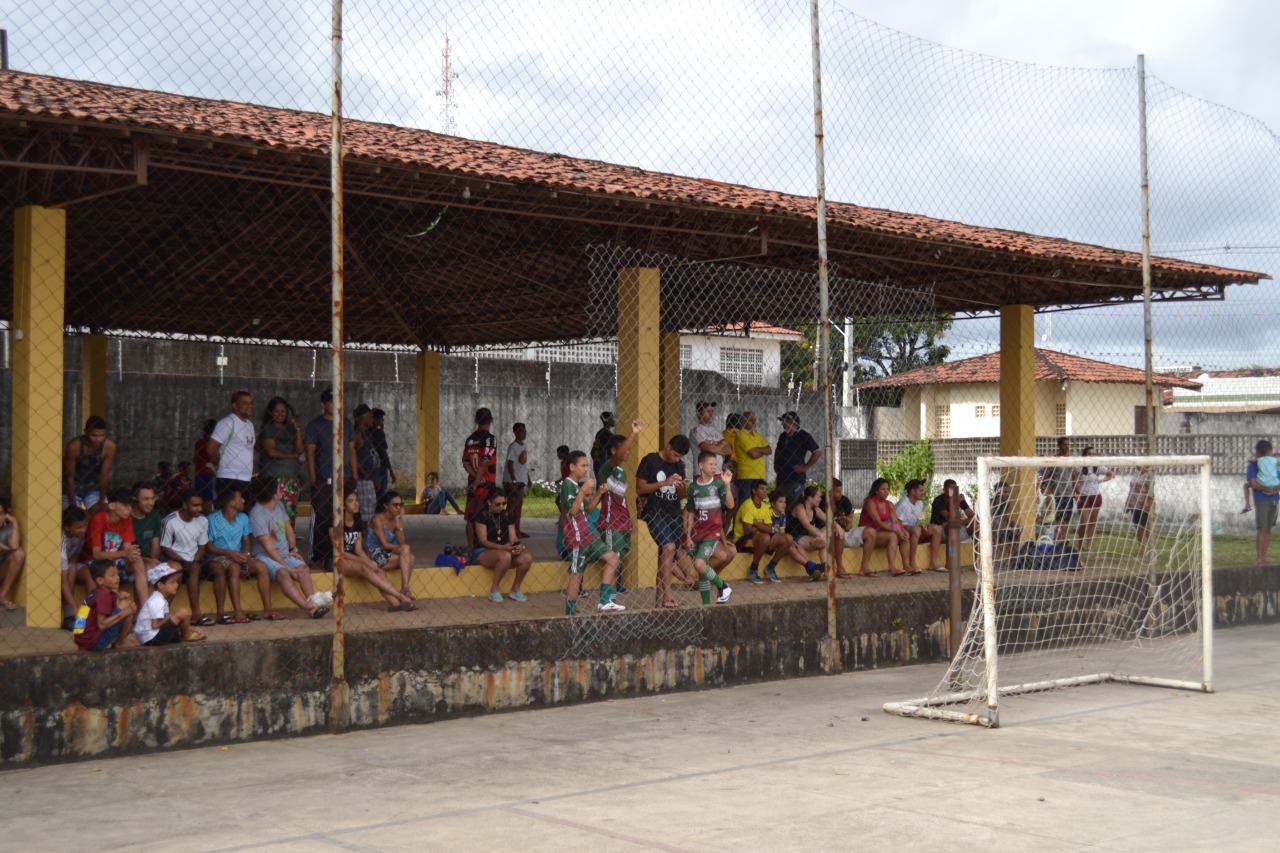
[408, 606]
[204, 621]
[868, 574]
[319, 613]
[239, 620]
[195, 636]
[915, 571]
[939, 569]
[896, 574]
[7, 604]
[272, 616]
[252, 617]
[844, 576]
[225, 620]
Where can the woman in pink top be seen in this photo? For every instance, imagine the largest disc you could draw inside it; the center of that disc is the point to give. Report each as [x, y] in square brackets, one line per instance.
[883, 529]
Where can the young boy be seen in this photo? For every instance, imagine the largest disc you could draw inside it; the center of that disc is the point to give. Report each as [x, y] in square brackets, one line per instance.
[105, 619]
[110, 537]
[74, 528]
[614, 524]
[184, 539]
[577, 498]
[155, 625]
[435, 498]
[755, 529]
[704, 525]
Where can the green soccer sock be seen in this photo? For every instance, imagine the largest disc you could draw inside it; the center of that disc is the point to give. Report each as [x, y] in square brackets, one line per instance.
[710, 576]
[607, 593]
[705, 589]
[570, 605]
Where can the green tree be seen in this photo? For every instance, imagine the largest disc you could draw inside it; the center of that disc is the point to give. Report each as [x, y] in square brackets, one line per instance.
[882, 346]
[913, 463]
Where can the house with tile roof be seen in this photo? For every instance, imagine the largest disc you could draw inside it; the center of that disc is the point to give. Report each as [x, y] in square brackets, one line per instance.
[1073, 396]
[1255, 389]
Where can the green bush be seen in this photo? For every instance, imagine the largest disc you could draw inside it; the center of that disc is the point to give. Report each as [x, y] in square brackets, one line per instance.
[914, 463]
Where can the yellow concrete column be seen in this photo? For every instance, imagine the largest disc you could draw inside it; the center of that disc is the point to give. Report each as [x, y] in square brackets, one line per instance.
[93, 376]
[39, 275]
[669, 362]
[428, 422]
[639, 393]
[1018, 405]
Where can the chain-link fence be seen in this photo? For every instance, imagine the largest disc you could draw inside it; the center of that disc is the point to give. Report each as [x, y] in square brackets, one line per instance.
[579, 251]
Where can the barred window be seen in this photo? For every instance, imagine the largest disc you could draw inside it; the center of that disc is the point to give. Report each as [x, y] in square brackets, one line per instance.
[743, 366]
[686, 356]
[1060, 419]
[980, 411]
[995, 410]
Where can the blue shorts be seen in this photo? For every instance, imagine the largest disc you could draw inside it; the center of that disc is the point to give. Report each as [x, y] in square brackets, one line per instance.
[273, 567]
[108, 635]
[665, 529]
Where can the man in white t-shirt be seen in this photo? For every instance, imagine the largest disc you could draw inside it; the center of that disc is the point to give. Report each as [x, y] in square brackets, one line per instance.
[515, 477]
[706, 436]
[232, 444]
[184, 535]
[910, 511]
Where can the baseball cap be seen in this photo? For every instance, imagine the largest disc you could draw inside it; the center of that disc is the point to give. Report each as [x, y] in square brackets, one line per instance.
[789, 416]
[119, 496]
[605, 417]
[326, 396]
[362, 409]
[159, 572]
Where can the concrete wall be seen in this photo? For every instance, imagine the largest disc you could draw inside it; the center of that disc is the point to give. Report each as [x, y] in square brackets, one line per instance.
[72, 706]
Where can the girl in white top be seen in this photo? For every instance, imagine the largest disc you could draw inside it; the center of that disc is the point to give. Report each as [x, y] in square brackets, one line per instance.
[1090, 499]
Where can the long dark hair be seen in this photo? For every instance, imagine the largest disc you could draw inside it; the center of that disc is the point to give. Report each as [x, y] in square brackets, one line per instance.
[271, 404]
[875, 487]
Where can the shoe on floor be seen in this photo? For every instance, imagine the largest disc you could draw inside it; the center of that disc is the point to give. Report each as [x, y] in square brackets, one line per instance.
[723, 598]
[773, 575]
[517, 595]
[610, 607]
[495, 596]
[754, 576]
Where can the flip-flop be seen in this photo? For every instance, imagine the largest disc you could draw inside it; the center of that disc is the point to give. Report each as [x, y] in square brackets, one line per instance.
[320, 613]
[669, 604]
[408, 606]
[226, 619]
[940, 569]
[7, 604]
[252, 617]
[916, 572]
[896, 574]
[868, 574]
[241, 620]
[272, 616]
[204, 621]
[844, 576]
[195, 636]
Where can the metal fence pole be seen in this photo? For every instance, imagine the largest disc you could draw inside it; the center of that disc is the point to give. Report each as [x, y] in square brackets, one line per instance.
[1150, 416]
[338, 698]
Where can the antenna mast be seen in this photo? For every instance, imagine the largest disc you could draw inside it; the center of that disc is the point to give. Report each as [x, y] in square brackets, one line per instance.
[445, 93]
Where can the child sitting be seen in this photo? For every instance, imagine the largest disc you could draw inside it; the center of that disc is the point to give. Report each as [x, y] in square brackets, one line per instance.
[105, 619]
[74, 527]
[155, 625]
[435, 498]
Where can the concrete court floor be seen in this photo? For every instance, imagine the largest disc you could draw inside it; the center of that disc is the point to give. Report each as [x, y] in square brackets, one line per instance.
[804, 764]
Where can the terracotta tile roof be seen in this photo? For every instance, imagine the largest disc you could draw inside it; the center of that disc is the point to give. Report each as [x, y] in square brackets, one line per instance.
[1051, 366]
[755, 329]
[38, 96]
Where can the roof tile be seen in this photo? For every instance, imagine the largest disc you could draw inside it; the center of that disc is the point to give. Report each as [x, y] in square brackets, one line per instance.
[1051, 366]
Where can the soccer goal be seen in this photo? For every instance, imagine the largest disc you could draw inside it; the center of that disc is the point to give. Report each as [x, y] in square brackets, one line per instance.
[1089, 570]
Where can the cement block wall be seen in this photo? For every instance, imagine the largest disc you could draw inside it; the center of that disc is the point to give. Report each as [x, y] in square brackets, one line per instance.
[69, 707]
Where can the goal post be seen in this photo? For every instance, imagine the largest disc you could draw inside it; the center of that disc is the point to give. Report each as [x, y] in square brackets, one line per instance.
[1090, 569]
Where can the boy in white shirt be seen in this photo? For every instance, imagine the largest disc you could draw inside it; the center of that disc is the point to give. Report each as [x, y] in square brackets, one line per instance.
[184, 538]
[154, 624]
[910, 511]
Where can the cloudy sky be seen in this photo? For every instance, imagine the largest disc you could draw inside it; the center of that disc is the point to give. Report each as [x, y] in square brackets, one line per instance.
[996, 112]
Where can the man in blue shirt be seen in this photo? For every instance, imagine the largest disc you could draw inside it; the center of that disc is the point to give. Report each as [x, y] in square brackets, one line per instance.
[318, 438]
[1266, 502]
[796, 453]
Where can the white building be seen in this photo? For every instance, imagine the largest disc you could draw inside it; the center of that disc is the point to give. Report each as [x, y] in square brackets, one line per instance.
[1250, 390]
[961, 399]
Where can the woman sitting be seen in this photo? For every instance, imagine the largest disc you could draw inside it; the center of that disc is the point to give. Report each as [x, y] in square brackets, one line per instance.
[355, 563]
[807, 534]
[883, 530]
[498, 547]
[385, 541]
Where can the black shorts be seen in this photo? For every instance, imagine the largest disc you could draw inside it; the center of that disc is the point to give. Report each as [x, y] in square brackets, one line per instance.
[1141, 517]
[167, 635]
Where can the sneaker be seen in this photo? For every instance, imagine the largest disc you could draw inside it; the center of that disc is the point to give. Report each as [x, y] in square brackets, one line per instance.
[610, 607]
[754, 576]
[723, 598]
[773, 575]
[495, 596]
[517, 595]
[621, 590]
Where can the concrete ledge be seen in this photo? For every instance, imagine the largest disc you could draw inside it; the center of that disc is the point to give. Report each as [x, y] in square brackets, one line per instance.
[68, 707]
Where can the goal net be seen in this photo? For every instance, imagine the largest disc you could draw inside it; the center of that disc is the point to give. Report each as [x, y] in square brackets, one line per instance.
[1090, 570]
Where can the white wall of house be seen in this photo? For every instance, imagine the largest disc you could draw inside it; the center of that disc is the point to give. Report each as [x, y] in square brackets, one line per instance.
[1104, 408]
[748, 361]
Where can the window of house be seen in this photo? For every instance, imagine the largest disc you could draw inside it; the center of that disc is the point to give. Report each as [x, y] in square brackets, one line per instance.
[942, 421]
[686, 356]
[743, 366]
[980, 411]
[995, 410]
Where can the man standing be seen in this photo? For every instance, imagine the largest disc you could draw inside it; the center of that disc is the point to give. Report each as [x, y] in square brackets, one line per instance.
[797, 452]
[750, 449]
[600, 447]
[705, 436]
[232, 444]
[318, 439]
[515, 477]
[1266, 501]
[1060, 485]
[86, 465]
[368, 465]
[480, 460]
[661, 484]
[378, 435]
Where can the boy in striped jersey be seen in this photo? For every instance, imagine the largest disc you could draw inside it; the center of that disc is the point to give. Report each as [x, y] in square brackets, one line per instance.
[704, 525]
[614, 525]
[578, 497]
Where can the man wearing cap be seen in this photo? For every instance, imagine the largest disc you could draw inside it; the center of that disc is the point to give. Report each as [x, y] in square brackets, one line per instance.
[480, 459]
[705, 436]
[233, 443]
[318, 438]
[110, 537]
[797, 452]
[600, 447]
[368, 465]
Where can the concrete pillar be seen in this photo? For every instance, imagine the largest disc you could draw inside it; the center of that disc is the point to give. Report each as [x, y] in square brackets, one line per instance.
[669, 361]
[428, 420]
[39, 275]
[640, 348]
[93, 377]
[1018, 405]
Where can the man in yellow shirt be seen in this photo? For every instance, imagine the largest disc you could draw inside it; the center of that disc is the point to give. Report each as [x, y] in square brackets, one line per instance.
[749, 451]
[754, 531]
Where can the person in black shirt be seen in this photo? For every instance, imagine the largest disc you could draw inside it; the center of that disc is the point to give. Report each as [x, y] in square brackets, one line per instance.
[498, 547]
[795, 454]
[660, 486]
[939, 514]
[600, 447]
[356, 563]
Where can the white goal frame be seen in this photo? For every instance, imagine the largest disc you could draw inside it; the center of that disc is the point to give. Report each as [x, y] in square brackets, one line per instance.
[935, 707]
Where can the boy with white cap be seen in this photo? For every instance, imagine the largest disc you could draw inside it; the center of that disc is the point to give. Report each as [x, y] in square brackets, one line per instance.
[155, 625]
